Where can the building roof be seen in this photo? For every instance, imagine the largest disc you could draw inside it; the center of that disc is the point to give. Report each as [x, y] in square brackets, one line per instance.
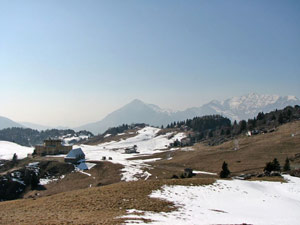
[53, 140]
[74, 153]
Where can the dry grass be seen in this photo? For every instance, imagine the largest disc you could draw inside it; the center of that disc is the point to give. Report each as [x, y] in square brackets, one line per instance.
[252, 156]
[99, 205]
[103, 173]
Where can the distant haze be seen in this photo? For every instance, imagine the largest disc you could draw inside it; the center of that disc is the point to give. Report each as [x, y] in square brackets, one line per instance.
[72, 62]
[236, 108]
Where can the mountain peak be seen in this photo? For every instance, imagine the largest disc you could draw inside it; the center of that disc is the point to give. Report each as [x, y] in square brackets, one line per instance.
[137, 101]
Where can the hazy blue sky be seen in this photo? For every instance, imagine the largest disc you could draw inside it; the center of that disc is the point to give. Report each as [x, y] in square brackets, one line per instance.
[71, 62]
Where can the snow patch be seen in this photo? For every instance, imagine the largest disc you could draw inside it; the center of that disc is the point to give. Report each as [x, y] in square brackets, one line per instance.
[147, 142]
[203, 172]
[7, 150]
[44, 181]
[229, 202]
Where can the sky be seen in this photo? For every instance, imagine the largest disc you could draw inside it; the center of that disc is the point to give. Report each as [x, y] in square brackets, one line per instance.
[70, 62]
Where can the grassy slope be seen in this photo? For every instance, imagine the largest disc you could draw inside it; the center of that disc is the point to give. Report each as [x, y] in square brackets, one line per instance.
[98, 205]
[252, 156]
[101, 205]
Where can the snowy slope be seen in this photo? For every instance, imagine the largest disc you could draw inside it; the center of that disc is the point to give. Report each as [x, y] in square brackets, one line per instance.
[71, 139]
[7, 150]
[229, 202]
[147, 142]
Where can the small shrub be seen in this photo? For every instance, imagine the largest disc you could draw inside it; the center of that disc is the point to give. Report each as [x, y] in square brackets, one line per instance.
[174, 176]
[182, 176]
[225, 171]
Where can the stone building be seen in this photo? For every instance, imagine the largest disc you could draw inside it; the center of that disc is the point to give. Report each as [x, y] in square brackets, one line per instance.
[52, 147]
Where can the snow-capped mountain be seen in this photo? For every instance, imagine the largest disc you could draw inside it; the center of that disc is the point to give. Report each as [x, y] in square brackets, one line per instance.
[236, 108]
[248, 106]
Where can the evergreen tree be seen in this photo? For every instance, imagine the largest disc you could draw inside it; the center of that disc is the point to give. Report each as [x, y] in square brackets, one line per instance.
[225, 171]
[228, 131]
[287, 166]
[280, 118]
[222, 132]
[243, 125]
[272, 166]
[260, 116]
[276, 165]
[14, 158]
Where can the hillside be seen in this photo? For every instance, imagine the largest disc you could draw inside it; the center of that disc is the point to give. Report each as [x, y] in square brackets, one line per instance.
[29, 137]
[5, 123]
[87, 203]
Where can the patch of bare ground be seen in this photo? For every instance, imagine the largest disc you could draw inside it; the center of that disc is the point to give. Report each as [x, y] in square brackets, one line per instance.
[103, 173]
[96, 205]
[271, 179]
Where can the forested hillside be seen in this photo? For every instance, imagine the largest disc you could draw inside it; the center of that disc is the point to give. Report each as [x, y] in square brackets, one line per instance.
[30, 137]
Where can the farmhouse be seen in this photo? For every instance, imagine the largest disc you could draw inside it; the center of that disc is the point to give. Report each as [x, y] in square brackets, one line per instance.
[52, 147]
[75, 155]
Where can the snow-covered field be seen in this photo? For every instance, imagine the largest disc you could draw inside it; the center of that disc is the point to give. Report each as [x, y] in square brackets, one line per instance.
[7, 150]
[229, 202]
[147, 142]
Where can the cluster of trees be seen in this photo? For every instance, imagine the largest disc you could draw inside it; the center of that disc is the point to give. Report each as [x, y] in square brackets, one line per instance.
[275, 166]
[203, 123]
[30, 137]
[218, 127]
[122, 128]
[276, 117]
[203, 127]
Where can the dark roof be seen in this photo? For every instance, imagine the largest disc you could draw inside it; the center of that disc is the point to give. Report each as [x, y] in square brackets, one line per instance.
[74, 153]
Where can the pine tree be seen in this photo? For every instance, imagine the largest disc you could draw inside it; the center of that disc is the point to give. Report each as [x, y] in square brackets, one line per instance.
[287, 166]
[15, 158]
[272, 166]
[276, 165]
[225, 171]
[243, 125]
[280, 118]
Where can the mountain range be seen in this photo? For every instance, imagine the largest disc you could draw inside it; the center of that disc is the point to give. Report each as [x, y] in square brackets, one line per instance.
[5, 123]
[236, 108]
